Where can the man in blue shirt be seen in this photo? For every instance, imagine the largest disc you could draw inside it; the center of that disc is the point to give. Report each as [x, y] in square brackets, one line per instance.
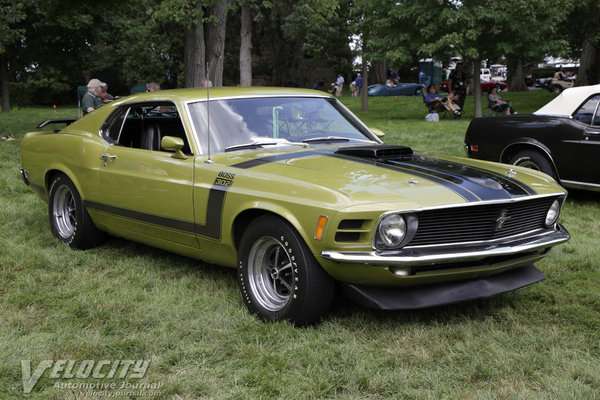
[359, 83]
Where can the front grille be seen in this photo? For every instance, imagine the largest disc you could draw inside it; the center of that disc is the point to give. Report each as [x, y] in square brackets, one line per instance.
[477, 223]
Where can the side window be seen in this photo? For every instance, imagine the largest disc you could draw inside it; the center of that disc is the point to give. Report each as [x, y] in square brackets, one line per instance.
[142, 126]
[586, 112]
[111, 130]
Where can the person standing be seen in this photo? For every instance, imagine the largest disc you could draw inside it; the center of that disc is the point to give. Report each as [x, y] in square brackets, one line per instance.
[359, 83]
[94, 97]
[458, 86]
[339, 83]
[152, 87]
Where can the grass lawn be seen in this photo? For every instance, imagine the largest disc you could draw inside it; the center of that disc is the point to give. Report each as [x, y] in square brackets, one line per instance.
[124, 300]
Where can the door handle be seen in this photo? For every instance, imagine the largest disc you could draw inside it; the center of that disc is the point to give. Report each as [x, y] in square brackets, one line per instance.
[107, 157]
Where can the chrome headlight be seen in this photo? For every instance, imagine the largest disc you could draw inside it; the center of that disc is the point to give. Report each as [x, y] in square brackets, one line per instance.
[553, 213]
[395, 230]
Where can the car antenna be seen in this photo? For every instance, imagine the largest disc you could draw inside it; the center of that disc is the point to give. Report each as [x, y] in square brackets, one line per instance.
[207, 82]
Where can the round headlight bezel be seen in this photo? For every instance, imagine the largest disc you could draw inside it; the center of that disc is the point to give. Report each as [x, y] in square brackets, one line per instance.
[553, 213]
[388, 225]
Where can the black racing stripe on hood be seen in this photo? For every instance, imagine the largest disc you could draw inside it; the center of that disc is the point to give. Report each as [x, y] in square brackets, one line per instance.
[485, 184]
[503, 178]
[471, 183]
[280, 157]
[455, 187]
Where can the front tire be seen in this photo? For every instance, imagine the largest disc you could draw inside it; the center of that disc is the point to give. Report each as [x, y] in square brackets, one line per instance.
[534, 160]
[69, 220]
[556, 89]
[278, 275]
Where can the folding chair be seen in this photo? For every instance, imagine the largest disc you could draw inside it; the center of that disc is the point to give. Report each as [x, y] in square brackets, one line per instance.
[434, 107]
[495, 108]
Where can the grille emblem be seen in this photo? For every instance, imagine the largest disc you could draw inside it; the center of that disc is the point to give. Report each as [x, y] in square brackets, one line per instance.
[511, 173]
[413, 181]
[501, 220]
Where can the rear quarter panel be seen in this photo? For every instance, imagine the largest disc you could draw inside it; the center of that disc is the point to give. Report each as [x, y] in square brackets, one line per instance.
[75, 154]
[499, 138]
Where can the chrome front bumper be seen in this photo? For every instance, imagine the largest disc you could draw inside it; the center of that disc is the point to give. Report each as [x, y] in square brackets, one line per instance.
[453, 254]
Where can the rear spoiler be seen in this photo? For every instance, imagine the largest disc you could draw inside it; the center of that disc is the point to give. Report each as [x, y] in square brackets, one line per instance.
[56, 121]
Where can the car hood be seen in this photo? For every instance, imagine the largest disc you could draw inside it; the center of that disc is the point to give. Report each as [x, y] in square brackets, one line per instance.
[420, 178]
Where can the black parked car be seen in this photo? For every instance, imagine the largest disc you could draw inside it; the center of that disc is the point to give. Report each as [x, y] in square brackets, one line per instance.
[561, 139]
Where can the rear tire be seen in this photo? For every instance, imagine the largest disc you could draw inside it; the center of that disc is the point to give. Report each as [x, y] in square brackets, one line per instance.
[278, 275]
[556, 89]
[534, 160]
[69, 220]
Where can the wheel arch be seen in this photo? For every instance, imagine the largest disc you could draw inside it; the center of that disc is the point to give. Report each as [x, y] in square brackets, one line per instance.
[245, 217]
[53, 172]
[511, 150]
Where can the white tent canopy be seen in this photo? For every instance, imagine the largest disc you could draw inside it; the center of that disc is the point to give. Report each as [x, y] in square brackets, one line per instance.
[567, 102]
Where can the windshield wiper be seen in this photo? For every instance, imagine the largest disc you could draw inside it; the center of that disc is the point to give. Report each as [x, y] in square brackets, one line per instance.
[335, 139]
[258, 143]
[252, 145]
[326, 139]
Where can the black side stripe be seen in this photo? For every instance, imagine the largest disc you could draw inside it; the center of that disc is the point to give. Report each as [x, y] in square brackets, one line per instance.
[179, 225]
[455, 187]
[214, 213]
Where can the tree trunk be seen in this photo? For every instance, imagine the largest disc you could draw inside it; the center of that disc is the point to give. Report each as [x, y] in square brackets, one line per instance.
[246, 46]
[364, 96]
[4, 80]
[477, 87]
[589, 69]
[379, 71]
[517, 77]
[215, 41]
[195, 56]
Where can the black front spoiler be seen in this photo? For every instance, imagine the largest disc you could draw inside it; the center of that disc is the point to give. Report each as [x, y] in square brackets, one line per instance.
[410, 298]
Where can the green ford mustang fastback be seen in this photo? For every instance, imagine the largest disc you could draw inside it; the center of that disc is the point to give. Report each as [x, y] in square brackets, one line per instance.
[290, 188]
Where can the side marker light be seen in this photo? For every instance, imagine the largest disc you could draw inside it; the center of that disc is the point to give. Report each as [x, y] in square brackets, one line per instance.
[320, 226]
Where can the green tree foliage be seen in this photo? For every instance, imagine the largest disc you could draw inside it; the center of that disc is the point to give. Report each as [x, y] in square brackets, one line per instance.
[287, 49]
[581, 29]
[11, 13]
[49, 48]
[523, 31]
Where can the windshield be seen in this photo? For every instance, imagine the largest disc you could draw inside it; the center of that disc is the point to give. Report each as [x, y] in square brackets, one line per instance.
[241, 124]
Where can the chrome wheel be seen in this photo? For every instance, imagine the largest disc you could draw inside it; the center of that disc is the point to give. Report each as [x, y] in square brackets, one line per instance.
[529, 164]
[64, 211]
[270, 273]
[534, 160]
